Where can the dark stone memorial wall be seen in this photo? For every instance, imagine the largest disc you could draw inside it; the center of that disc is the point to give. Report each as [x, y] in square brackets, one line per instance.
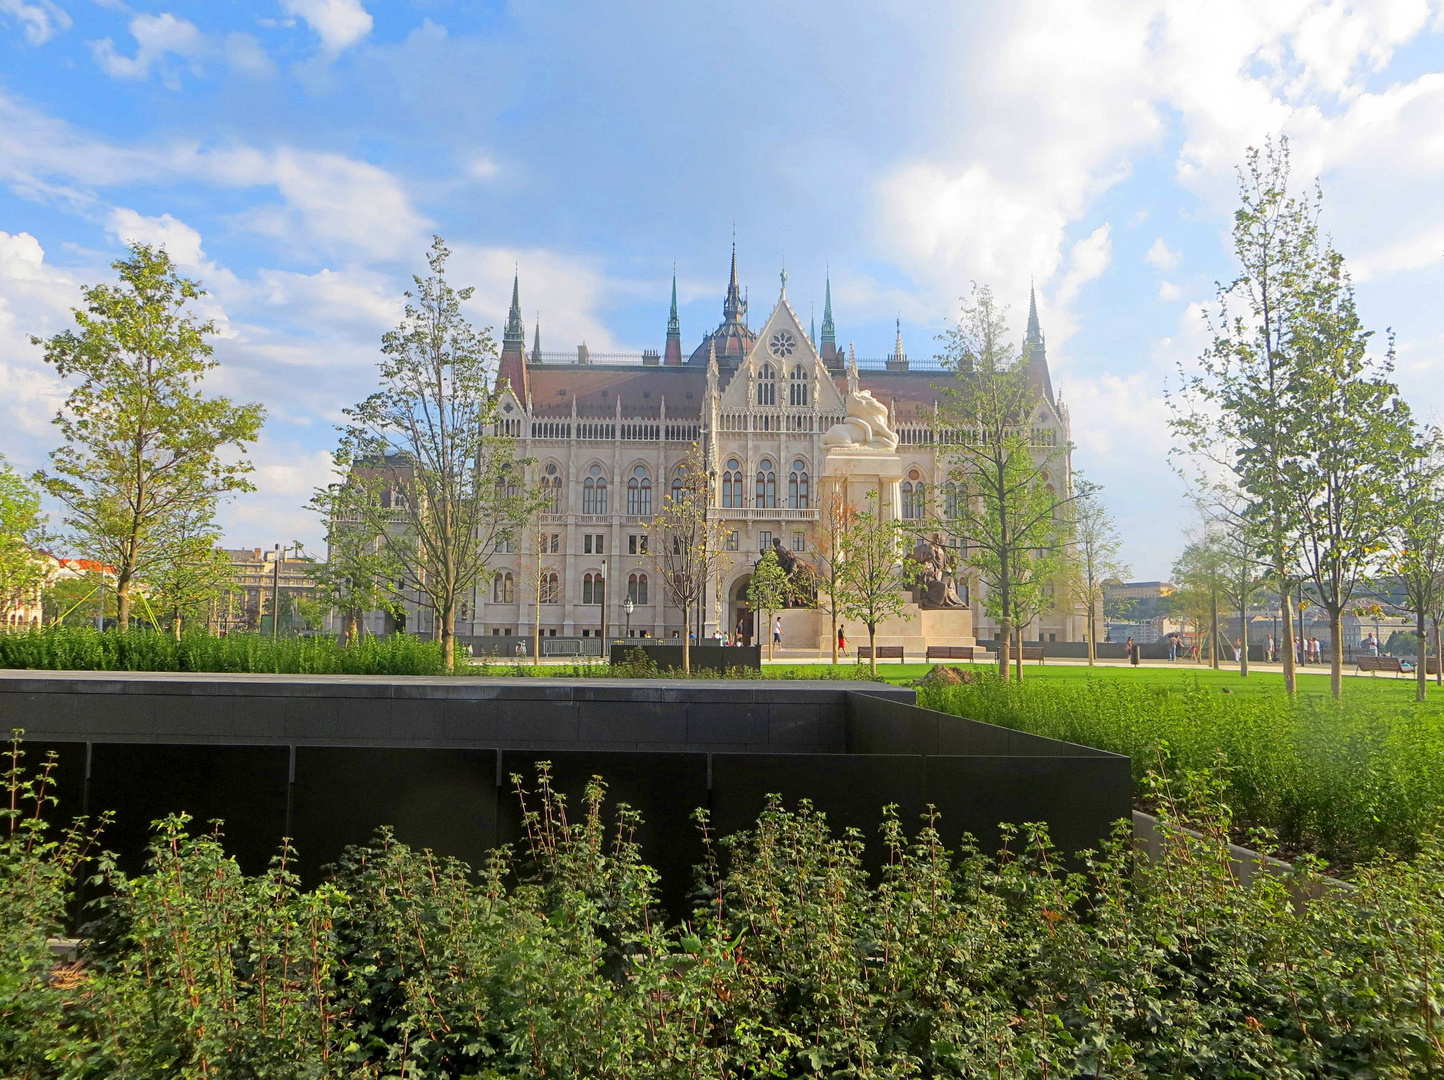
[328, 760]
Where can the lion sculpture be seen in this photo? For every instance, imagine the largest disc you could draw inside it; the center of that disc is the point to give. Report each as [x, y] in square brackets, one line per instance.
[865, 426]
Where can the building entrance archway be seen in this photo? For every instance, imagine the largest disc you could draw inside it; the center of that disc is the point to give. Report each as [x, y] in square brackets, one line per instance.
[740, 621]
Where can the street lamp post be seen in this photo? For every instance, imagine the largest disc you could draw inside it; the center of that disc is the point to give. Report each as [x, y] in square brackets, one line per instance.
[629, 607]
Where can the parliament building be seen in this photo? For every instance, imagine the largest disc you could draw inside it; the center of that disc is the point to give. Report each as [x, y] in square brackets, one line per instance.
[606, 435]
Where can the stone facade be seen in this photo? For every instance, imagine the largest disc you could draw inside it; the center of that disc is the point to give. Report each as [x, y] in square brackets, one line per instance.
[607, 439]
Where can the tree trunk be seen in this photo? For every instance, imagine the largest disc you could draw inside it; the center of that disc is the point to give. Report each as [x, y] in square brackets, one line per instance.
[1336, 657]
[536, 605]
[687, 639]
[1092, 628]
[175, 626]
[1438, 657]
[1019, 661]
[768, 632]
[448, 637]
[1243, 641]
[122, 604]
[1213, 639]
[1421, 667]
[1286, 604]
[834, 637]
[872, 648]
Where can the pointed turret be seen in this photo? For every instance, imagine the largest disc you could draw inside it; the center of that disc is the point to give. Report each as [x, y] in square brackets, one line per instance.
[1035, 349]
[829, 332]
[898, 361]
[733, 307]
[1034, 335]
[851, 368]
[512, 367]
[515, 330]
[812, 332]
[674, 328]
[536, 343]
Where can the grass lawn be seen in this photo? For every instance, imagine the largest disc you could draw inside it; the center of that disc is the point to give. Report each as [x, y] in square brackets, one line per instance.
[1384, 688]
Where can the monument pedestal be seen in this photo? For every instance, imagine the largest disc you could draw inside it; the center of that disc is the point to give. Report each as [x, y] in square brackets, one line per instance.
[857, 472]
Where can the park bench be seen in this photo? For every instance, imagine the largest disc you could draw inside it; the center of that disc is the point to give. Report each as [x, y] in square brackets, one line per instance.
[950, 652]
[1376, 664]
[884, 652]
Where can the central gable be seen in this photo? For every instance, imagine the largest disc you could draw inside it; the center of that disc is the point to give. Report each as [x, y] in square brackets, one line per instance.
[782, 344]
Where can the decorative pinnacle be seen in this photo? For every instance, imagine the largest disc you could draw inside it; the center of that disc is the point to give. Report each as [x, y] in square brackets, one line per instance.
[673, 326]
[1034, 334]
[515, 335]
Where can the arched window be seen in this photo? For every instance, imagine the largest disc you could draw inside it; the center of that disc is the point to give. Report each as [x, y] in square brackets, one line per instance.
[592, 588]
[594, 492]
[767, 386]
[639, 493]
[798, 494]
[503, 587]
[766, 485]
[952, 500]
[732, 483]
[677, 491]
[551, 589]
[552, 488]
[914, 496]
[637, 588]
[797, 389]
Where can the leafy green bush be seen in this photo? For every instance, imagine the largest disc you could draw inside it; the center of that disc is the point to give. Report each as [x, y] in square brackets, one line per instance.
[1346, 781]
[88, 649]
[795, 963]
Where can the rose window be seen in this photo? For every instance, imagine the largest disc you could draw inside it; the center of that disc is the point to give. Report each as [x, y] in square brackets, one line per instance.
[782, 344]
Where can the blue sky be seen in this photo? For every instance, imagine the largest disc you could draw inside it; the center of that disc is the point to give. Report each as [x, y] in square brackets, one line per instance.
[296, 155]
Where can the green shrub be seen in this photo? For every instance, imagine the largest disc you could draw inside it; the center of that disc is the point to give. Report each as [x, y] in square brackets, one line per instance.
[796, 962]
[1347, 781]
[88, 649]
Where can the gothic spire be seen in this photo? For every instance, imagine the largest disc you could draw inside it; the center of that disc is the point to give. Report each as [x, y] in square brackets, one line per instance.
[536, 343]
[733, 307]
[674, 327]
[829, 332]
[1034, 335]
[515, 336]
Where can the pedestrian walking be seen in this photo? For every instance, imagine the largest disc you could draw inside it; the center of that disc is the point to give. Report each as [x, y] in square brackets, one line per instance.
[841, 640]
[777, 631]
[1172, 647]
[1269, 653]
[1132, 652]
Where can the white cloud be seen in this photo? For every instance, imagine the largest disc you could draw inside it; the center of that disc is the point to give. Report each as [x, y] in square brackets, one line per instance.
[1089, 258]
[41, 20]
[1160, 255]
[181, 242]
[158, 37]
[569, 294]
[1168, 291]
[483, 167]
[339, 23]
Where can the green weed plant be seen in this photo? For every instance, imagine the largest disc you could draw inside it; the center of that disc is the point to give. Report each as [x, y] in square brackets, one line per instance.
[1347, 781]
[553, 960]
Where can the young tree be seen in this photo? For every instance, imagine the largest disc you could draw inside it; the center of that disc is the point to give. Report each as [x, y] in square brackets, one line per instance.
[1007, 514]
[1094, 555]
[544, 580]
[835, 521]
[874, 572]
[190, 574]
[441, 485]
[1202, 573]
[360, 568]
[686, 542]
[1238, 547]
[1352, 434]
[143, 444]
[1239, 409]
[1415, 563]
[22, 569]
[767, 591]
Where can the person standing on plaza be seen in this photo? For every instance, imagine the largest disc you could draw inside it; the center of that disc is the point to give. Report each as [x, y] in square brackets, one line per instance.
[1132, 652]
[777, 632]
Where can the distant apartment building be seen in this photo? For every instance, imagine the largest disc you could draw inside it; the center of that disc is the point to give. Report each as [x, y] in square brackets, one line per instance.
[257, 575]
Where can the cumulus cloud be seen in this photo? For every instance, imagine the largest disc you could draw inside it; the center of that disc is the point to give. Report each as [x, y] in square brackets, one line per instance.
[160, 37]
[1160, 255]
[40, 20]
[998, 206]
[181, 242]
[339, 23]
